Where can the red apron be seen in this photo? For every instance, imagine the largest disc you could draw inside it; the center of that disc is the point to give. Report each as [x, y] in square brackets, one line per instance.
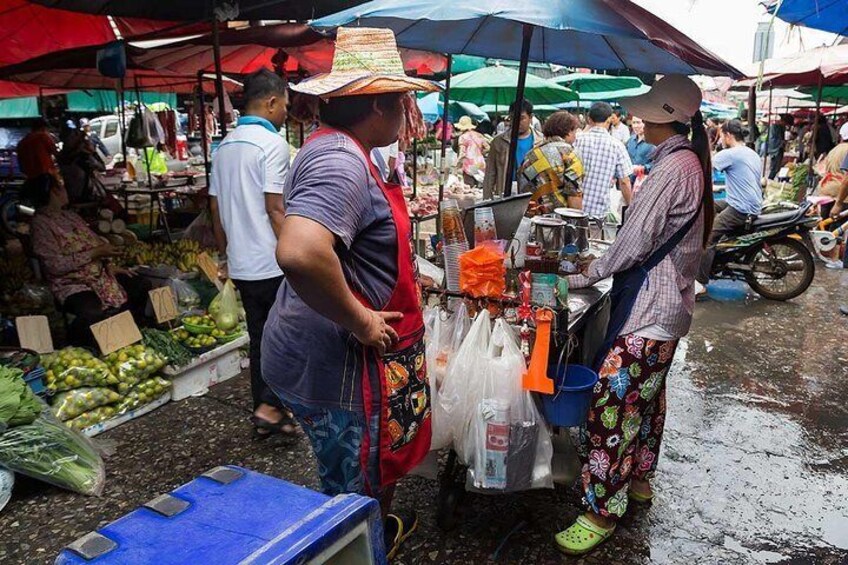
[405, 423]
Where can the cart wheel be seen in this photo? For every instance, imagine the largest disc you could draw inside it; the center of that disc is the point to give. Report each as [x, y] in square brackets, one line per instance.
[446, 512]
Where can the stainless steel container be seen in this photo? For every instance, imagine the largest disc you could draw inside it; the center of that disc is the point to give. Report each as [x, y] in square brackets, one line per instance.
[549, 232]
[577, 227]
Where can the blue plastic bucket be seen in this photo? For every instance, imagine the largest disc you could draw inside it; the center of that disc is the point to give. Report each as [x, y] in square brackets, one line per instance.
[569, 406]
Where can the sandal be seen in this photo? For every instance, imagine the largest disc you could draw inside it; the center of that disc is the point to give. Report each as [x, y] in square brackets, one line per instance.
[397, 528]
[582, 537]
[263, 429]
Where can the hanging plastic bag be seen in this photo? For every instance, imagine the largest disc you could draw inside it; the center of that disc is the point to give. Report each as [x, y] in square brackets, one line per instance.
[187, 297]
[444, 333]
[463, 382]
[512, 445]
[224, 308]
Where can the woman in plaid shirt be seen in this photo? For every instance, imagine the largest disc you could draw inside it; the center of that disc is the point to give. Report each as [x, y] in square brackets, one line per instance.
[653, 263]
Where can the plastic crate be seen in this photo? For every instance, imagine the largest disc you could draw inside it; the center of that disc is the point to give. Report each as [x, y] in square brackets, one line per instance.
[233, 515]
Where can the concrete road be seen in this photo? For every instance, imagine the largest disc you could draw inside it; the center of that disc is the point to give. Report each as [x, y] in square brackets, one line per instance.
[754, 467]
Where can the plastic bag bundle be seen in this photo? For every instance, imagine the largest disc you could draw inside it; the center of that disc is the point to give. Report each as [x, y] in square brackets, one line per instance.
[92, 417]
[132, 364]
[73, 367]
[143, 393]
[444, 333]
[224, 308]
[187, 297]
[482, 272]
[49, 451]
[72, 403]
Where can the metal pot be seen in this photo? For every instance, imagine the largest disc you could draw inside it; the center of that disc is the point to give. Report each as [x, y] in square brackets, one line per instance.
[577, 227]
[549, 233]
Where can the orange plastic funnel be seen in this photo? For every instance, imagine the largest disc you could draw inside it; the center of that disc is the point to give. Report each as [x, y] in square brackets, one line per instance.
[536, 377]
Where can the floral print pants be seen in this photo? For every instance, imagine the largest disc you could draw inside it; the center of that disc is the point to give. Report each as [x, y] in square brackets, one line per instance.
[621, 438]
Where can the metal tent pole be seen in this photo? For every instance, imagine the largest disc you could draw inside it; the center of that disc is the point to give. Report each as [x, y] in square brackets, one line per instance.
[527, 33]
[414, 168]
[768, 130]
[201, 109]
[445, 117]
[219, 78]
[815, 131]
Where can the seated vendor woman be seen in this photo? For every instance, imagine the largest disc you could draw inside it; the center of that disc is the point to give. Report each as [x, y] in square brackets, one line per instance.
[76, 264]
[653, 262]
[343, 345]
[553, 170]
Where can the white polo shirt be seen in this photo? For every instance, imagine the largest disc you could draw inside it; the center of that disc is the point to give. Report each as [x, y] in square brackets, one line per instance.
[250, 162]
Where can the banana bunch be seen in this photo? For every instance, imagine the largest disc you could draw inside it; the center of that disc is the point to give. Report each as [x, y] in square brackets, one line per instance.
[181, 254]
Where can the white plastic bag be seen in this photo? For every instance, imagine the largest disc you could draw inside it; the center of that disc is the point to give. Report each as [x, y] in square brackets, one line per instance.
[459, 394]
[512, 444]
[444, 334]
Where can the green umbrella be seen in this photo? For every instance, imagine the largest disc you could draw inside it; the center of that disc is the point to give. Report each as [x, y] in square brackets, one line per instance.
[498, 86]
[829, 93]
[585, 83]
[613, 95]
[538, 109]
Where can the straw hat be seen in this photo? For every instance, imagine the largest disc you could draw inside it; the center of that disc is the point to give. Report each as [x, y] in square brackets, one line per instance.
[465, 124]
[673, 98]
[366, 61]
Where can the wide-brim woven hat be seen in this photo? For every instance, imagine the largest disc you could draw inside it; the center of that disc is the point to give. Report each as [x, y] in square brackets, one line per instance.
[366, 61]
[465, 124]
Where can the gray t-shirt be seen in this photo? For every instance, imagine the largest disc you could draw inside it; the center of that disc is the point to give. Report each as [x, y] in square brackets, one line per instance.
[744, 169]
[306, 358]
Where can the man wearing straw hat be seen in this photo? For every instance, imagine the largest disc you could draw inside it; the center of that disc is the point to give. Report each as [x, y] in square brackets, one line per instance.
[345, 336]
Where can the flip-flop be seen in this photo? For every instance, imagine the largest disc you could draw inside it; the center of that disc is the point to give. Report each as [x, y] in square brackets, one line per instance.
[640, 498]
[582, 537]
[407, 523]
[263, 429]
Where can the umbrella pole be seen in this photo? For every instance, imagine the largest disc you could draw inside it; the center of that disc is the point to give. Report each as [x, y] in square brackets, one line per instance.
[752, 111]
[121, 121]
[815, 131]
[768, 129]
[444, 149]
[414, 168]
[527, 32]
[219, 79]
[201, 109]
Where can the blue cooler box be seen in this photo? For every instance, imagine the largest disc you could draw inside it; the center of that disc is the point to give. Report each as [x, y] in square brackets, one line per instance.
[231, 515]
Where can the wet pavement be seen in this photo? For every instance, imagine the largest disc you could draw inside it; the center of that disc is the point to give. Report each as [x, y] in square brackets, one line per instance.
[754, 467]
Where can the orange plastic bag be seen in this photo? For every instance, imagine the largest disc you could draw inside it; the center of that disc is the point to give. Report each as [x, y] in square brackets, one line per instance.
[482, 272]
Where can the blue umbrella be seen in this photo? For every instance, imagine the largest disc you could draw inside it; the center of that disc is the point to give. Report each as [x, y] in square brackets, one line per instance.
[827, 15]
[432, 109]
[600, 34]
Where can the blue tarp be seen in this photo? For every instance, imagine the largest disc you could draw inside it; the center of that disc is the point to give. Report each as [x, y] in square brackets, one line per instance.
[827, 15]
[577, 33]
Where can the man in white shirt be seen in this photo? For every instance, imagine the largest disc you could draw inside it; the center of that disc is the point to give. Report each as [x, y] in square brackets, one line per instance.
[618, 129]
[249, 171]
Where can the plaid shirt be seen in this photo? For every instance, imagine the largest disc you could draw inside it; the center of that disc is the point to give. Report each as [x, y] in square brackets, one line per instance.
[669, 197]
[606, 160]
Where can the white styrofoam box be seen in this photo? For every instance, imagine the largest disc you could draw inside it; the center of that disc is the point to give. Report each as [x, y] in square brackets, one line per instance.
[208, 369]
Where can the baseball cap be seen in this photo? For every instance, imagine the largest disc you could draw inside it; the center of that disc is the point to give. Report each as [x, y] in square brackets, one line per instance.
[673, 98]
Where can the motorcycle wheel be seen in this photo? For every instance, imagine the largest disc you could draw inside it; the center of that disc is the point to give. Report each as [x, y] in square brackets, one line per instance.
[781, 269]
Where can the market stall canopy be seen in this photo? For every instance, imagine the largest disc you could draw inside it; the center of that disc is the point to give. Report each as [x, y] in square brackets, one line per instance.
[77, 69]
[823, 65]
[613, 95]
[29, 30]
[585, 83]
[827, 15]
[538, 109]
[496, 86]
[838, 93]
[598, 34]
[195, 10]
[296, 48]
[719, 111]
[432, 108]
[90, 101]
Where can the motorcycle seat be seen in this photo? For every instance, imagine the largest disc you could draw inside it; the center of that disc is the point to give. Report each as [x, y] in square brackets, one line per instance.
[766, 220]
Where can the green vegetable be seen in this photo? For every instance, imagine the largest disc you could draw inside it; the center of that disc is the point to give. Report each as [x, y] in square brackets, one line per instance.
[18, 404]
[70, 404]
[167, 346]
[49, 451]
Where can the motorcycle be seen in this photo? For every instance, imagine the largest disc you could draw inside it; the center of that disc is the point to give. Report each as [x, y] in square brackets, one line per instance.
[772, 254]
